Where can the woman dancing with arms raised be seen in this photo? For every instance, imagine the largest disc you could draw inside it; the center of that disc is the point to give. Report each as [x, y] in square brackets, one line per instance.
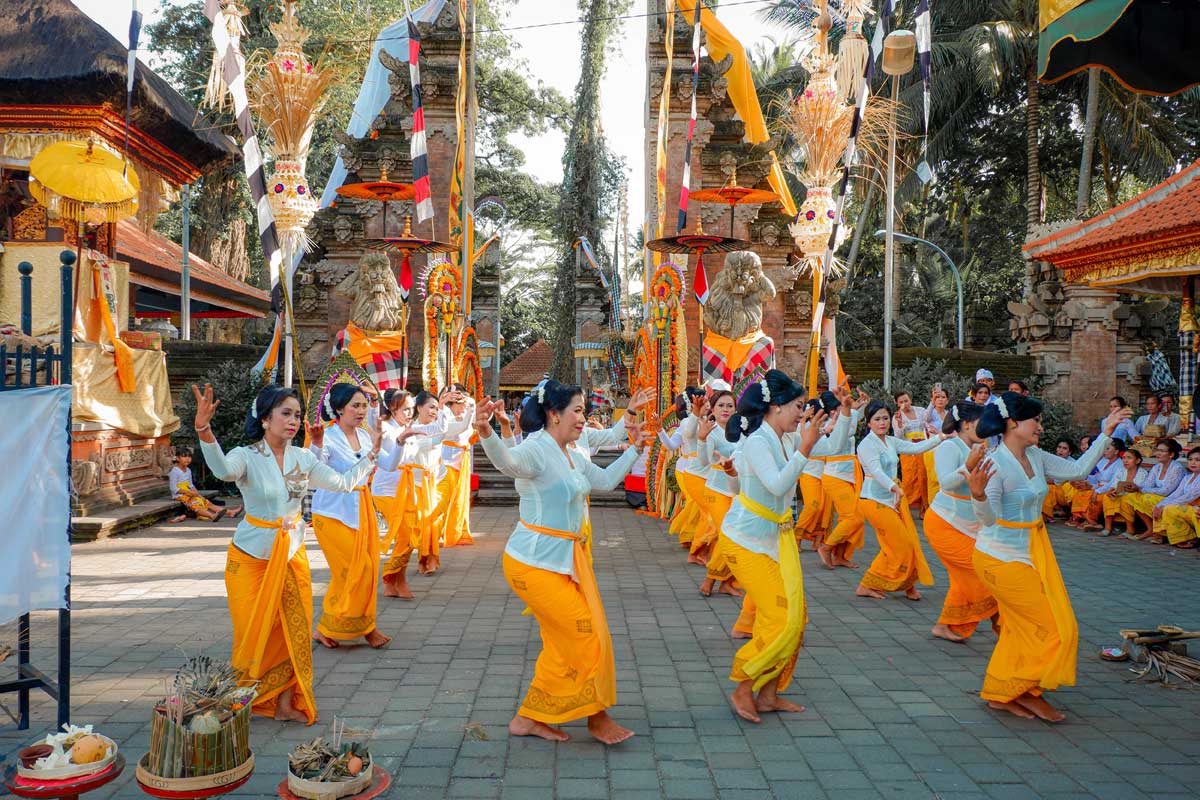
[1039, 637]
[547, 567]
[266, 567]
[760, 545]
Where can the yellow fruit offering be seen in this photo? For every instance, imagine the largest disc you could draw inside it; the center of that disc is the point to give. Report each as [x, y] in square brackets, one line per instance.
[88, 750]
[354, 764]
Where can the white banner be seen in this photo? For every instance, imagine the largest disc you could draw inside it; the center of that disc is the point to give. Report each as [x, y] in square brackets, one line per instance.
[35, 502]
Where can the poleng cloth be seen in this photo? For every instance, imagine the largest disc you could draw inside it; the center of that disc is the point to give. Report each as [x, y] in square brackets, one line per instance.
[1061, 670]
[771, 660]
[379, 353]
[729, 359]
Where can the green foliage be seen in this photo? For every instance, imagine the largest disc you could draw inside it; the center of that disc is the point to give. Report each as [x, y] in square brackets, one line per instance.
[918, 380]
[236, 389]
[1058, 423]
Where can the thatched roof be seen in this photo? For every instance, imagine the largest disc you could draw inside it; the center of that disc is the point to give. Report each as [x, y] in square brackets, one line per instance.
[51, 53]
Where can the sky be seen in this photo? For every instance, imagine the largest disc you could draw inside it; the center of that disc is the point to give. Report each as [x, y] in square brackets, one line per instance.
[552, 54]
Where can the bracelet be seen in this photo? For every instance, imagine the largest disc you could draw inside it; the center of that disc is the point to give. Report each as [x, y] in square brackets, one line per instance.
[207, 427]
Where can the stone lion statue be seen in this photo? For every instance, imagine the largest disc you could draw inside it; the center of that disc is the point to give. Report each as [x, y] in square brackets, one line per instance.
[736, 296]
[375, 300]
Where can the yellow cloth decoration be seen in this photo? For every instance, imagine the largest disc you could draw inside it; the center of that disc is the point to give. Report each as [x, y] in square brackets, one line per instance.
[770, 661]
[147, 411]
[1050, 10]
[362, 344]
[720, 44]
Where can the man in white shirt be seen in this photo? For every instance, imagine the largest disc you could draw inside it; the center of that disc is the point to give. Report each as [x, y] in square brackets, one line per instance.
[1155, 416]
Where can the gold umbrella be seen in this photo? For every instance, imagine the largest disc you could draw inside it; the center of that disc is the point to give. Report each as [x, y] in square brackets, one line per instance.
[84, 183]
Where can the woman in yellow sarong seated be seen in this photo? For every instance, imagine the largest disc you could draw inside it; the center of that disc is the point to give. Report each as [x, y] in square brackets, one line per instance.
[546, 564]
[1039, 637]
[951, 526]
[760, 545]
[900, 564]
[1176, 513]
[266, 568]
[1162, 479]
[1120, 483]
[345, 525]
[1060, 494]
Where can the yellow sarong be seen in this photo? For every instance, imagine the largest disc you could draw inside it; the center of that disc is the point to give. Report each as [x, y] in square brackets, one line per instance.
[454, 494]
[968, 601]
[688, 518]
[1179, 524]
[575, 675]
[1039, 639]
[913, 479]
[932, 486]
[348, 609]
[716, 505]
[270, 603]
[900, 563]
[843, 498]
[408, 517]
[777, 589]
[814, 519]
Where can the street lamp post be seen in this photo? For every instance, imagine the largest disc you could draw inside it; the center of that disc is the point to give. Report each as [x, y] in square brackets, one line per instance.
[899, 53]
[958, 283]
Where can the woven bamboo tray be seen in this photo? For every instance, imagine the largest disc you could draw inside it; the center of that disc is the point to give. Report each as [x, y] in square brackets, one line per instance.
[330, 790]
[74, 770]
[198, 783]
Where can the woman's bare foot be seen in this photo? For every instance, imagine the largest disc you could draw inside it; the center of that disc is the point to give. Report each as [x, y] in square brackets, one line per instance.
[285, 709]
[825, 552]
[1010, 707]
[863, 591]
[398, 588]
[736, 634]
[605, 729]
[728, 588]
[694, 559]
[524, 726]
[706, 587]
[177, 518]
[943, 632]
[839, 561]
[234, 512]
[1040, 707]
[769, 700]
[377, 639]
[742, 699]
[325, 640]
[912, 594]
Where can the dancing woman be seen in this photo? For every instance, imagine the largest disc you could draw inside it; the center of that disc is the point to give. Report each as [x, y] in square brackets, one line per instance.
[909, 423]
[713, 455]
[842, 482]
[690, 518]
[935, 418]
[345, 524]
[547, 567]
[951, 527]
[761, 547]
[266, 568]
[453, 516]
[900, 564]
[1039, 637]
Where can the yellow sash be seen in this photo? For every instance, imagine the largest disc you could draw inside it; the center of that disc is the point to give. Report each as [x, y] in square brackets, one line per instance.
[775, 655]
[406, 492]
[1060, 671]
[606, 679]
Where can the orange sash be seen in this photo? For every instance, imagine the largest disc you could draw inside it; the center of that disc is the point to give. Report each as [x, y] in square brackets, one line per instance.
[1061, 671]
[606, 680]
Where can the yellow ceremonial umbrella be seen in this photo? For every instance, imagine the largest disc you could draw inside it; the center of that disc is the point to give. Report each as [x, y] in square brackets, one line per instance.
[83, 182]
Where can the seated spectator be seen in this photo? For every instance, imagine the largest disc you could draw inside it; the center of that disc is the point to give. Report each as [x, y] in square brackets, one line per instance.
[1121, 481]
[1059, 495]
[1178, 510]
[1155, 416]
[1086, 507]
[981, 393]
[183, 490]
[1018, 387]
[1126, 431]
[1162, 479]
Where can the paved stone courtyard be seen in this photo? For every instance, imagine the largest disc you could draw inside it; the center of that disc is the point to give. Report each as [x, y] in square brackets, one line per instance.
[891, 712]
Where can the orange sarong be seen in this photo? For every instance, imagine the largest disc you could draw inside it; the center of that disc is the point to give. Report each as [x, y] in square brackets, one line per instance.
[575, 675]
[689, 518]
[968, 601]
[348, 609]
[1039, 638]
[913, 480]
[843, 498]
[408, 514]
[900, 563]
[270, 603]
[454, 495]
[814, 519]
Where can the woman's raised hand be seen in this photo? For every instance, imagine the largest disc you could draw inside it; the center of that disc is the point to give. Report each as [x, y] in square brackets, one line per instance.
[978, 477]
[376, 434]
[810, 434]
[205, 406]
[639, 436]
[1116, 418]
[641, 398]
[316, 433]
[976, 455]
[707, 424]
[483, 417]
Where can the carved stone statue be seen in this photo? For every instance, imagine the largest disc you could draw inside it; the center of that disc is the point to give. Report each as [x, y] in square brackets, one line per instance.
[736, 296]
[375, 300]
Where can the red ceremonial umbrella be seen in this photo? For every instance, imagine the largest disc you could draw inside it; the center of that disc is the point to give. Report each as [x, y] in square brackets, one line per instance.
[382, 191]
[407, 243]
[734, 196]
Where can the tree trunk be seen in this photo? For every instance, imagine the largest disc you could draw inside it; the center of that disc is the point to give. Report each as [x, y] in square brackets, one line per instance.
[863, 214]
[1033, 172]
[1084, 194]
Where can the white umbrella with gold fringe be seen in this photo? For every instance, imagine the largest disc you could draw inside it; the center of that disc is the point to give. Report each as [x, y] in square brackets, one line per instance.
[287, 91]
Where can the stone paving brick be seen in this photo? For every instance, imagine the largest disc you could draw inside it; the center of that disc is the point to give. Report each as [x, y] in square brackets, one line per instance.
[891, 712]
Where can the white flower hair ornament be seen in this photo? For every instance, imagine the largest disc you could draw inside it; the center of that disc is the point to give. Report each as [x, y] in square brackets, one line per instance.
[541, 395]
[1001, 407]
[328, 406]
[766, 392]
[254, 408]
[745, 424]
[954, 413]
